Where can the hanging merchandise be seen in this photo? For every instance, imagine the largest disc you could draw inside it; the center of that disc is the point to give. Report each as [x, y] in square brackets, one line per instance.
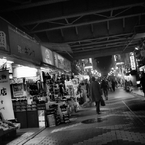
[5, 96]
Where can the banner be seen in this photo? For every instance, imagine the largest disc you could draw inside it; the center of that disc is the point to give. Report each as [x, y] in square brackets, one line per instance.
[6, 107]
[4, 36]
[47, 55]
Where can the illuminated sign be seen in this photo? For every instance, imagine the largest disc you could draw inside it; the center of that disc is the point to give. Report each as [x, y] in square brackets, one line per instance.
[119, 63]
[114, 57]
[132, 61]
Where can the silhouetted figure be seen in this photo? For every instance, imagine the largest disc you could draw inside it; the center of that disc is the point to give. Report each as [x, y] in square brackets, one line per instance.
[96, 94]
[142, 81]
[113, 85]
[104, 87]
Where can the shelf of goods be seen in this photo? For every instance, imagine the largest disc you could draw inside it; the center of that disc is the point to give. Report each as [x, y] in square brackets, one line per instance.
[27, 114]
[54, 117]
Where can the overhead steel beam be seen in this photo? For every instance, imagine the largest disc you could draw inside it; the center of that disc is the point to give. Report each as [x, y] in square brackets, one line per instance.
[100, 48]
[90, 47]
[103, 37]
[81, 14]
[27, 6]
[104, 43]
[91, 43]
[86, 23]
[101, 53]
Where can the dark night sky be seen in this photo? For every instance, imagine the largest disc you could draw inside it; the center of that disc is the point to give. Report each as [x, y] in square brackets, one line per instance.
[104, 64]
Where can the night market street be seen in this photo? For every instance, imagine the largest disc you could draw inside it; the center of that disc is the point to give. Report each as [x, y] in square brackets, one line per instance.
[122, 121]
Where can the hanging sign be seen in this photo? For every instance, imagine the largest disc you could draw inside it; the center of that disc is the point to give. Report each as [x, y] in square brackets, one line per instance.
[67, 65]
[47, 55]
[60, 61]
[132, 61]
[56, 59]
[24, 47]
[4, 38]
[6, 107]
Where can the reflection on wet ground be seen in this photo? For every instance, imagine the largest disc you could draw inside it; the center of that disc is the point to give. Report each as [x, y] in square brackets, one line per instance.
[94, 120]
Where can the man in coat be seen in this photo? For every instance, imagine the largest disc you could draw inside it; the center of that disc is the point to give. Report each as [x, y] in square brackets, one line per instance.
[95, 93]
[142, 82]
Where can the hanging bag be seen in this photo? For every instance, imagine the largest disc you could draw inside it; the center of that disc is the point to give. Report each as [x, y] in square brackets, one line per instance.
[102, 102]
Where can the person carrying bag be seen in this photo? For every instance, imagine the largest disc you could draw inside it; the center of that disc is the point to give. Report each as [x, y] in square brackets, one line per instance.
[95, 93]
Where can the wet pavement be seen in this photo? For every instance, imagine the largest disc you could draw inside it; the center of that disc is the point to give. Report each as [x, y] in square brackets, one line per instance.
[122, 121]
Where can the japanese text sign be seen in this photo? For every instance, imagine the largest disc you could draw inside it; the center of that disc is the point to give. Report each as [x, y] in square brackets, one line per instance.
[24, 47]
[5, 96]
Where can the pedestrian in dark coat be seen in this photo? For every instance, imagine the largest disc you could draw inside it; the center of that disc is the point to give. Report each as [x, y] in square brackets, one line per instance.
[142, 81]
[95, 93]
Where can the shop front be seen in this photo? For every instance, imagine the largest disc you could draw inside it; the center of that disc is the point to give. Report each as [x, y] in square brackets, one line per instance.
[7, 126]
[53, 81]
[25, 80]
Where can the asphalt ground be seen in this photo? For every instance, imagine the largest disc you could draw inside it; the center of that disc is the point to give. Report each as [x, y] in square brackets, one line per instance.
[122, 121]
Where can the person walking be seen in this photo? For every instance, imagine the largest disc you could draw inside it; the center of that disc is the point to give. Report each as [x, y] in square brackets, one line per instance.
[142, 82]
[110, 85]
[104, 87]
[95, 93]
[113, 85]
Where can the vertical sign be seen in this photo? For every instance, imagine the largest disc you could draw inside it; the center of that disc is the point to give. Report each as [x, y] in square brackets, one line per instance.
[132, 61]
[4, 35]
[6, 107]
[56, 59]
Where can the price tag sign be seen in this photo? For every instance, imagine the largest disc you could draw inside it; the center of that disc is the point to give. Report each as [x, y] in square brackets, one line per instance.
[6, 107]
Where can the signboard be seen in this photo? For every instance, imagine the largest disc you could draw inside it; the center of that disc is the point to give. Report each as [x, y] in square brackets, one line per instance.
[4, 37]
[60, 61]
[47, 55]
[117, 58]
[56, 59]
[142, 53]
[6, 107]
[132, 61]
[18, 90]
[67, 65]
[23, 47]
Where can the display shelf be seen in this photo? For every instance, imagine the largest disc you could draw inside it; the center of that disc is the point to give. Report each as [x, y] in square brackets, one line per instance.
[21, 117]
[32, 119]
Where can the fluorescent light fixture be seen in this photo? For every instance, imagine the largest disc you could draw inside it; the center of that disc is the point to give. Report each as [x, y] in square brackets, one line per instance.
[136, 48]
[87, 67]
[119, 63]
[25, 71]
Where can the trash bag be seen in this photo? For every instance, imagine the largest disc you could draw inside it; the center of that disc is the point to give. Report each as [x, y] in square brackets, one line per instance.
[102, 102]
